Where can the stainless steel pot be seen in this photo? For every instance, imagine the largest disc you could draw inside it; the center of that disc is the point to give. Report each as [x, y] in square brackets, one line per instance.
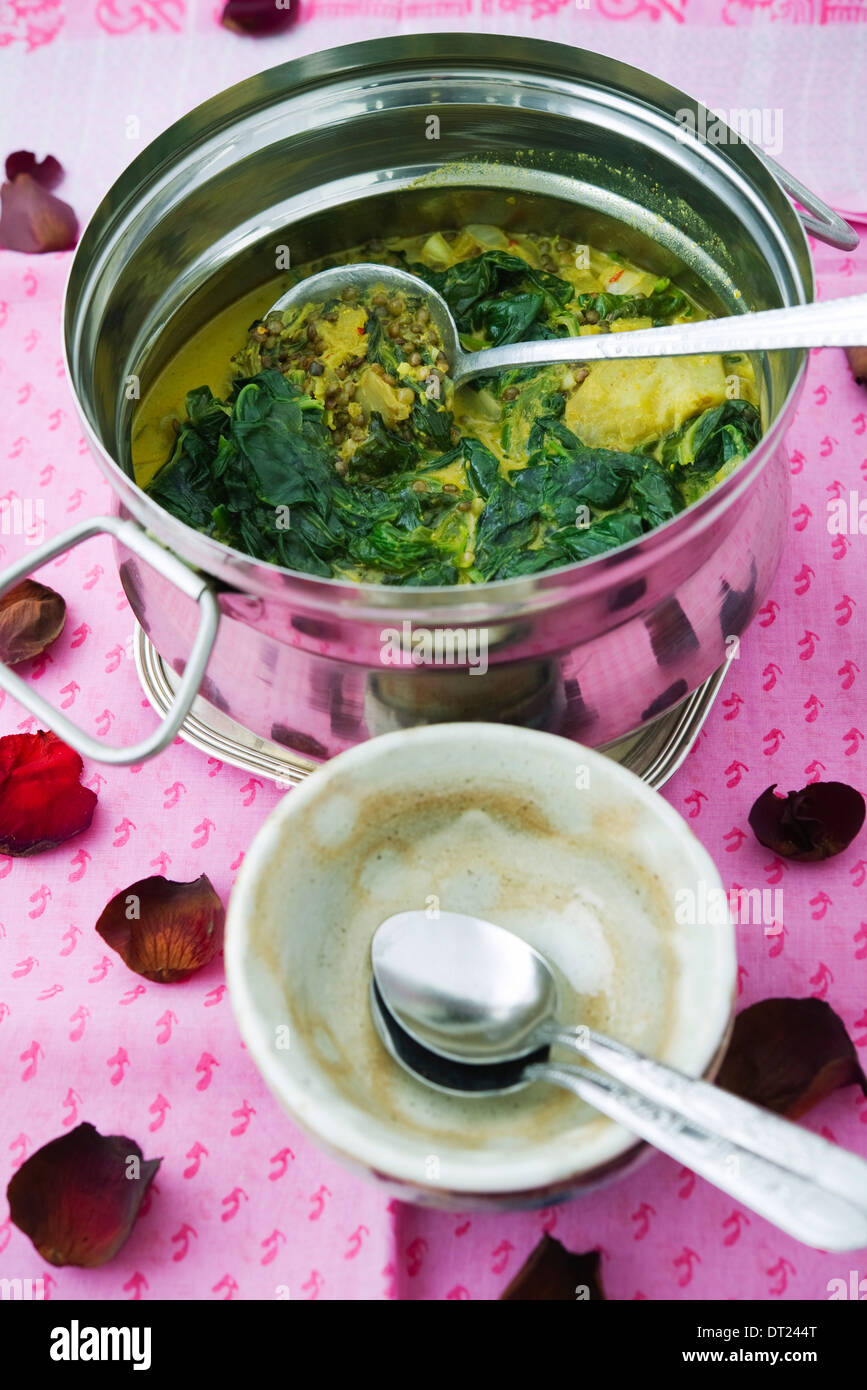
[322, 153]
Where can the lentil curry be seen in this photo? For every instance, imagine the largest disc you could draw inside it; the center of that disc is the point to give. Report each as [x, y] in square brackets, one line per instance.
[333, 443]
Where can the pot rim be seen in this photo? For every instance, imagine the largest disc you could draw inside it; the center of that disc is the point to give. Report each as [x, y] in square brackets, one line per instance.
[529, 592]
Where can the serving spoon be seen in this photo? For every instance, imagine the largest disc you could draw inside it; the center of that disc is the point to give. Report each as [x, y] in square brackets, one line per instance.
[481, 1022]
[826, 323]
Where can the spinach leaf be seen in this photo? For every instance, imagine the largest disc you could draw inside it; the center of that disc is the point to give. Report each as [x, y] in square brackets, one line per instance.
[483, 468]
[205, 413]
[661, 305]
[386, 547]
[280, 433]
[477, 290]
[654, 495]
[549, 436]
[532, 521]
[511, 503]
[592, 479]
[383, 451]
[430, 420]
[714, 438]
[380, 347]
[611, 531]
[506, 320]
[434, 572]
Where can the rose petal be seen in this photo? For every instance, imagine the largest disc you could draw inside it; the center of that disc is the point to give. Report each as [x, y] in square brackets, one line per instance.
[814, 823]
[42, 801]
[78, 1196]
[858, 362]
[260, 17]
[788, 1054]
[31, 618]
[164, 931]
[48, 173]
[552, 1272]
[33, 220]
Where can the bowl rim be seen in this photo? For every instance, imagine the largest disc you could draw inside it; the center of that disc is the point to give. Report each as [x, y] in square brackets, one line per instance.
[331, 1126]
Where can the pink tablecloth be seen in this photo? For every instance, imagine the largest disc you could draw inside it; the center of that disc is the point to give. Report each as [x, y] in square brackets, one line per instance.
[244, 1206]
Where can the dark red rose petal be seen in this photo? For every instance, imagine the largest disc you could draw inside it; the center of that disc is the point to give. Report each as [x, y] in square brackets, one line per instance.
[31, 618]
[42, 801]
[814, 823]
[47, 172]
[260, 17]
[788, 1054]
[78, 1196]
[858, 362]
[164, 931]
[33, 220]
[552, 1272]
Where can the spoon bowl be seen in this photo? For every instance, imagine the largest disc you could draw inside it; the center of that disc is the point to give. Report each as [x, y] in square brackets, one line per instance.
[463, 987]
[442, 1073]
[366, 277]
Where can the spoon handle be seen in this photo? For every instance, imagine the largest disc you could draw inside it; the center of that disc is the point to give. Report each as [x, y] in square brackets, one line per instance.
[719, 1112]
[826, 323]
[801, 1205]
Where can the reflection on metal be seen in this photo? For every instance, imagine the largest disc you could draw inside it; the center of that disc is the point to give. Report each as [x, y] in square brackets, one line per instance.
[653, 752]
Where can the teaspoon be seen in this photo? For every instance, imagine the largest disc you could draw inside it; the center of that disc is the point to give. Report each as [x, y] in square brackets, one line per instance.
[493, 1034]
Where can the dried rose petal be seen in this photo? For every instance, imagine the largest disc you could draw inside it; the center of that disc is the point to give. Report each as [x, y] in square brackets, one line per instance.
[552, 1272]
[815, 823]
[42, 801]
[164, 931]
[788, 1054]
[260, 17]
[78, 1196]
[48, 172]
[31, 618]
[33, 220]
[858, 362]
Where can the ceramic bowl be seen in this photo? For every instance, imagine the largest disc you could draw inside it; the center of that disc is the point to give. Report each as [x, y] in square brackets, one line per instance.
[543, 836]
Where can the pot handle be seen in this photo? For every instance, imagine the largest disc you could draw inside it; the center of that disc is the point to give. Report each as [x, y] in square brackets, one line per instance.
[130, 535]
[825, 224]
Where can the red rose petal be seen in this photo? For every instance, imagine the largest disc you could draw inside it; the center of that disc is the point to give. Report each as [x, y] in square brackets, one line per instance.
[164, 931]
[551, 1273]
[48, 172]
[815, 823]
[42, 801]
[33, 220]
[31, 618]
[788, 1054]
[260, 17]
[858, 362]
[78, 1196]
